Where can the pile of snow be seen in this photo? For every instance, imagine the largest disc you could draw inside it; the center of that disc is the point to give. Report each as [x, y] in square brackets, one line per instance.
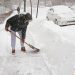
[52, 41]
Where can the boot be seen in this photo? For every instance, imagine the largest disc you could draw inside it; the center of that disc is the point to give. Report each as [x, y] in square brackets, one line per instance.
[13, 51]
[23, 49]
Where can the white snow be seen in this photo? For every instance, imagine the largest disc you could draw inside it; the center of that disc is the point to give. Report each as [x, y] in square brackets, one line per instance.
[57, 55]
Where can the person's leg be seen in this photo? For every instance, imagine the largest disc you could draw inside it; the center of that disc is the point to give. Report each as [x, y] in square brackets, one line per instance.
[21, 41]
[20, 34]
[13, 41]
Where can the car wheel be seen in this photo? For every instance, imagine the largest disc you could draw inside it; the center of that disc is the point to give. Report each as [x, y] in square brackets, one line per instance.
[47, 18]
[56, 21]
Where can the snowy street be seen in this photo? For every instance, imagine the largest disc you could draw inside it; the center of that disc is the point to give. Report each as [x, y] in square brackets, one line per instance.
[23, 64]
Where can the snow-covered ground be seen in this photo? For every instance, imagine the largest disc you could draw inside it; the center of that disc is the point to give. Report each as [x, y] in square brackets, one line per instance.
[57, 55]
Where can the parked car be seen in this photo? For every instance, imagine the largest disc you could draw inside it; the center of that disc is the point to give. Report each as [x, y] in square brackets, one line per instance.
[61, 15]
[4, 13]
[73, 7]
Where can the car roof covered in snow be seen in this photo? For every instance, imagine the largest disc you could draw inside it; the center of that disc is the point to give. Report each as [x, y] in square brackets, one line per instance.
[61, 9]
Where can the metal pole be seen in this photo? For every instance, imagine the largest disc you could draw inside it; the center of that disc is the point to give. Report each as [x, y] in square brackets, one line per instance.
[37, 9]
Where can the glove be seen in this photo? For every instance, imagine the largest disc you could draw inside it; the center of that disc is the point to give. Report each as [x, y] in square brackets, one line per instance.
[6, 28]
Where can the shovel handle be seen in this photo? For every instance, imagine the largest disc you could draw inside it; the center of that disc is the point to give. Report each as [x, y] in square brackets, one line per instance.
[21, 39]
[17, 36]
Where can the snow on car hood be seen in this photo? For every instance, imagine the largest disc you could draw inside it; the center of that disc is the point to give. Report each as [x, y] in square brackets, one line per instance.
[67, 16]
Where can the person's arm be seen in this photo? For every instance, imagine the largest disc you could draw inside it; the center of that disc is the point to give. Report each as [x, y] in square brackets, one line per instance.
[7, 26]
[9, 22]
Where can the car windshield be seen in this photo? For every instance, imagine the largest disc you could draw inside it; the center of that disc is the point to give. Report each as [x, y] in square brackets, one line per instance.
[62, 10]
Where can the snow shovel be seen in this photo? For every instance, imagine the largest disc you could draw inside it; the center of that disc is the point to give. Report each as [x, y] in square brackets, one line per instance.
[34, 48]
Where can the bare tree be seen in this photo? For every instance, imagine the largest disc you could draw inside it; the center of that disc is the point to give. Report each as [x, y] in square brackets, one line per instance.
[24, 5]
[31, 6]
[37, 9]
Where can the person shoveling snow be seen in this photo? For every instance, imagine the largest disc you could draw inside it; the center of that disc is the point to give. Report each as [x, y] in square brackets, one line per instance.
[18, 23]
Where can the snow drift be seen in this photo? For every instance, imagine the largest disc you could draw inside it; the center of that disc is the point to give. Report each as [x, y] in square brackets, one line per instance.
[59, 50]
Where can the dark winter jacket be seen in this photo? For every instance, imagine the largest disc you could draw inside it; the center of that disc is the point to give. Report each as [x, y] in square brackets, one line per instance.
[19, 23]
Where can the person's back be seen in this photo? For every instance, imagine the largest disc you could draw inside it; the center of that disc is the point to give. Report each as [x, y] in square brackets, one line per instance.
[18, 22]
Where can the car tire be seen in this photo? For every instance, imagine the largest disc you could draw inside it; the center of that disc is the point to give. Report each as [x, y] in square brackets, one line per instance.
[47, 18]
[56, 21]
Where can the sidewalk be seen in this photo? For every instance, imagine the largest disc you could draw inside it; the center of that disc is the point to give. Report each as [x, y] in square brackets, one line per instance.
[24, 64]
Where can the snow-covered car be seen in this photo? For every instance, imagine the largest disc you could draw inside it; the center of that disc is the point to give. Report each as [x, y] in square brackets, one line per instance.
[73, 7]
[61, 15]
[4, 13]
